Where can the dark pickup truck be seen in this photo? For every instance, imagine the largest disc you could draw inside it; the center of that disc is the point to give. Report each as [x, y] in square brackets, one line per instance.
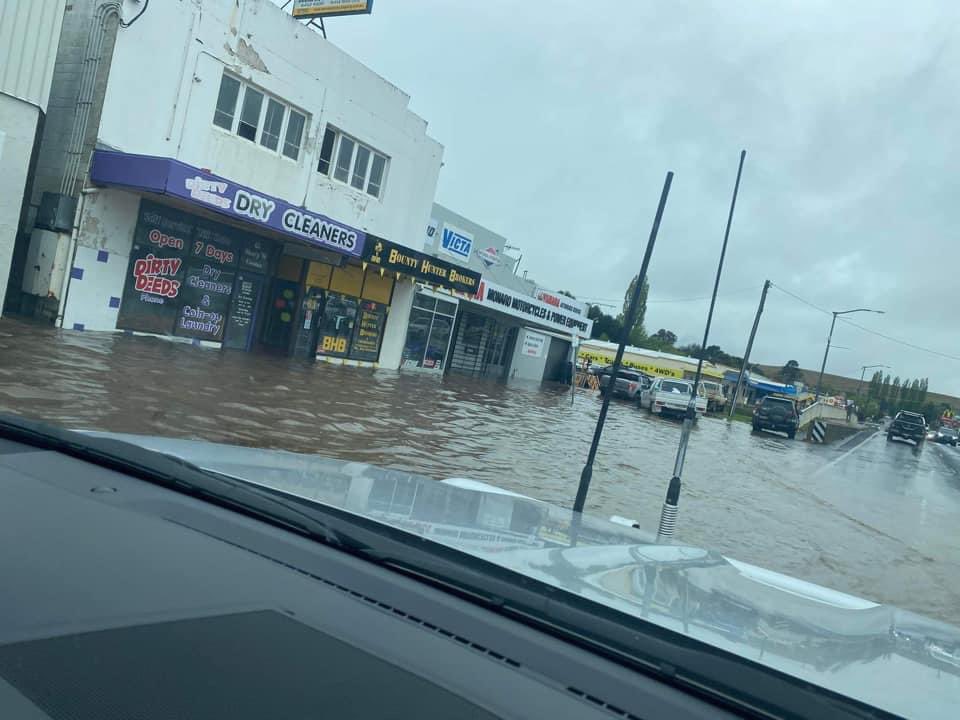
[777, 414]
[908, 425]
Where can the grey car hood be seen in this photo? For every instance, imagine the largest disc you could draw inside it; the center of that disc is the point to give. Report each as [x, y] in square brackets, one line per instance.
[890, 658]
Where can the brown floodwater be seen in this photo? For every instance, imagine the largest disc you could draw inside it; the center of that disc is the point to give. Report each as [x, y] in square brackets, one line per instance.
[878, 520]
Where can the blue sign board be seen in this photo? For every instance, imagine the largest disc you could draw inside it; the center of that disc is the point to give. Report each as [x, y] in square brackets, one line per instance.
[456, 243]
[172, 177]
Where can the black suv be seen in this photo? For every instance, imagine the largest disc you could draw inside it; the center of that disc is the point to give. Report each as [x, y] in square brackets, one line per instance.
[908, 425]
[776, 413]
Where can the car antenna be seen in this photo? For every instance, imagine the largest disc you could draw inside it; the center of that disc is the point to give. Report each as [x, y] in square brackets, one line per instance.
[587, 473]
[668, 515]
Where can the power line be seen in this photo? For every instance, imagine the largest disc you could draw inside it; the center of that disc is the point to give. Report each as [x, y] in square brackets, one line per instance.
[612, 301]
[905, 343]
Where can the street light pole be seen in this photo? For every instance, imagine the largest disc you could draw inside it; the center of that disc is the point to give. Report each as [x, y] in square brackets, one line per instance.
[863, 371]
[826, 352]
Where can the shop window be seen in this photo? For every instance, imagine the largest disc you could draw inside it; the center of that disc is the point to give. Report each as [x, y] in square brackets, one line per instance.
[318, 275]
[347, 280]
[291, 143]
[356, 164]
[272, 124]
[336, 326]
[428, 333]
[226, 102]
[377, 288]
[326, 151]
[250, 115]
[261, 119]
[289, 267]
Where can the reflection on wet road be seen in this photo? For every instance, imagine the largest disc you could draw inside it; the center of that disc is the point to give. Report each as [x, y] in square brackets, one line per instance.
[876, 519]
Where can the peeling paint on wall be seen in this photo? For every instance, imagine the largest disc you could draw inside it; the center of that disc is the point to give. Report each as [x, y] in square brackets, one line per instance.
[251, 57]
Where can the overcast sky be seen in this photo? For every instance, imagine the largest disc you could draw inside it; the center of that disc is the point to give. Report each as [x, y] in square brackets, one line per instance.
[559, 122]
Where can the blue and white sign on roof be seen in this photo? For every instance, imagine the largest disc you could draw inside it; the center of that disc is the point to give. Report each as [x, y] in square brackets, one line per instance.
[456, 242]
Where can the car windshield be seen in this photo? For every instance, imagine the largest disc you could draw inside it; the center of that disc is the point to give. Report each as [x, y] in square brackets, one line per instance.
[319, 232]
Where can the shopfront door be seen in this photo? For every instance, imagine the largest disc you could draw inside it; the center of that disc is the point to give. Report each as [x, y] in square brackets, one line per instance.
[308, 324]
[281, 315]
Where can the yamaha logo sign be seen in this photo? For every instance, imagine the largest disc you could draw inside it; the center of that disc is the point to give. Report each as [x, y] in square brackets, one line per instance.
[456, 242]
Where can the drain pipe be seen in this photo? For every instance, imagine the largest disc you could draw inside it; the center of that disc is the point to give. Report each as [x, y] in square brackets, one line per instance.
[88, 82]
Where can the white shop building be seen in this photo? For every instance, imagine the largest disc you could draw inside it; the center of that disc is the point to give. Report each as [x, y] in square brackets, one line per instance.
[243, 169]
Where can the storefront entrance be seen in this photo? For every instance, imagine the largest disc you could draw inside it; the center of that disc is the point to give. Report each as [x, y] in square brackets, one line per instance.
[483, 346]
[429, 331]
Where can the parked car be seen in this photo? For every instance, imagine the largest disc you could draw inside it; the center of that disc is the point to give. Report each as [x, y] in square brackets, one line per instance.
[778, 414]
[909, 426]
[629, 382]
[666, 396]
[716, 398]
[946, 436]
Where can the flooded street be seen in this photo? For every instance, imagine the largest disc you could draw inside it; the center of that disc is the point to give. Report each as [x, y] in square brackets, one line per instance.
[872, 518]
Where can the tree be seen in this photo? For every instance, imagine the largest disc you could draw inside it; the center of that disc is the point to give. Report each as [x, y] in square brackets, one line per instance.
[637, 333]
[873, 390]
[922, 397]
[665, 336]
[885, 391]
[567, 293]
[790, 372]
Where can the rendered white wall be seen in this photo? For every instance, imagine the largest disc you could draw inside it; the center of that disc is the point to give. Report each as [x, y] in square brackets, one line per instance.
[166, 109]
[395, 332]
[99, 269]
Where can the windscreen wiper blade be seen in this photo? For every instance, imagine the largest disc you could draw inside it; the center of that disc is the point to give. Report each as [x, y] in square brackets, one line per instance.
[169, 471]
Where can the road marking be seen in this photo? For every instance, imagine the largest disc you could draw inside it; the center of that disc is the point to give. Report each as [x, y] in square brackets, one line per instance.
[845, 454]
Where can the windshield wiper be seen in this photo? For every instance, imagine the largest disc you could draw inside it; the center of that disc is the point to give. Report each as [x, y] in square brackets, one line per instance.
[169, 471]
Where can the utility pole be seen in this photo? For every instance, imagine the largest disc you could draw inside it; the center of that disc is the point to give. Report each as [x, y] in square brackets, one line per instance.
[826, 351]
[863, 370]
[746, 355]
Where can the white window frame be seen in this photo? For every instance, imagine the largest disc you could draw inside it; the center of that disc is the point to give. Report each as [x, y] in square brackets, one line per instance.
[335, 154]
[267, 97]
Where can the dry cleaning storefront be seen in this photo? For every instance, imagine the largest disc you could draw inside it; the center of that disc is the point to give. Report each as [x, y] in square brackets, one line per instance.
[189, 254]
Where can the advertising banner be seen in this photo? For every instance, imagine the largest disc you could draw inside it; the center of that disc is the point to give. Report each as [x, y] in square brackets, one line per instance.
[421, 266]
[533, 344]
[456, 242]
[303, 9]
[519, 305]
[561, 301]
[172, 177]
[152, 292]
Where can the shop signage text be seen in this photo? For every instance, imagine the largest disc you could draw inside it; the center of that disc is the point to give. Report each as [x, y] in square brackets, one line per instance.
[561, 301]
[172, 177]
[327, 8]
[513, 303]
[421, 266]
[533, 344]
[456, 242]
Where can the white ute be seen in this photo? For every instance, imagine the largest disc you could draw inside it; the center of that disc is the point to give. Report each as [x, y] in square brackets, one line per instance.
[666, 396]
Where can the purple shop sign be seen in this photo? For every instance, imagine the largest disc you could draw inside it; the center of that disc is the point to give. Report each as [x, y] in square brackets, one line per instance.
[172, 177]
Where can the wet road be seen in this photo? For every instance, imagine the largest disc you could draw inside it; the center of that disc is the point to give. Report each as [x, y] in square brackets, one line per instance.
[876, 519]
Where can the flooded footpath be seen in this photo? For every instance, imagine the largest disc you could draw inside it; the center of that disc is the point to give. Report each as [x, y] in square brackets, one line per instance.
[866, 525]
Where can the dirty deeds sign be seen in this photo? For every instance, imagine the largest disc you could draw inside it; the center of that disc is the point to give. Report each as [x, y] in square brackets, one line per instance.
[242, 203]
[154, 282]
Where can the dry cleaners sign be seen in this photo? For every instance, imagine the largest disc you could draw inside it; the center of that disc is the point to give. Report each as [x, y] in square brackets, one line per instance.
[200, 187]
[513, 303]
